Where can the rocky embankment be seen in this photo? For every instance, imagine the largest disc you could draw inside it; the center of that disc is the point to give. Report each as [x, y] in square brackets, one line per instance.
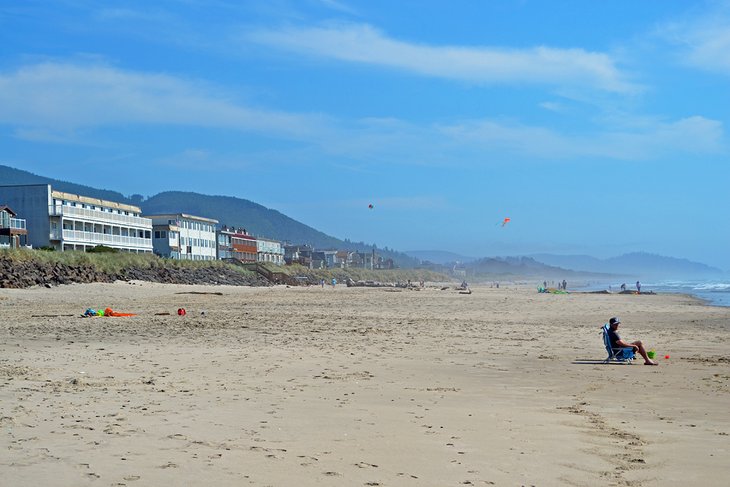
[28, 273]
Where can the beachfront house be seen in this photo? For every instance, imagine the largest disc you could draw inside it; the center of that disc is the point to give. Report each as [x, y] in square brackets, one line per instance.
[268, 250]
[67, 221]
[298, 254]
[184, 237]
[13, 231]
[236, 243]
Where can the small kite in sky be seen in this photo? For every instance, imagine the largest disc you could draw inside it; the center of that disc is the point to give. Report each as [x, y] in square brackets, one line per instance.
[506, 221]
[371, 206]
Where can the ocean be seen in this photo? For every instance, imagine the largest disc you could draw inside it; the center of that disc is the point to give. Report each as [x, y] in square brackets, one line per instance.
[715, 291]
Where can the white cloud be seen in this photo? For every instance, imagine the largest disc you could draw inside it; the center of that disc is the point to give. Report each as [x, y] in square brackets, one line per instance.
[68, 96]
[537, 65]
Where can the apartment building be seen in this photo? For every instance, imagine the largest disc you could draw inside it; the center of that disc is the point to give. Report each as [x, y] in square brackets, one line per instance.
[236, 243]
[184, 237]
[268, 250]
[13, 232]
[67, 221]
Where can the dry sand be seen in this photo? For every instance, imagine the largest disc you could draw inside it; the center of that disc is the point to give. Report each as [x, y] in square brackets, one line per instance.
[347, 387]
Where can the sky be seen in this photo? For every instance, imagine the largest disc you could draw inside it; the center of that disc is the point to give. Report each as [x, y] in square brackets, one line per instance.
[598, 128]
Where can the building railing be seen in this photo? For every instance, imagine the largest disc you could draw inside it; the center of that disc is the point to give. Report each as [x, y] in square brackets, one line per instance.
[17, 223]
[78, 236]
[100, 216]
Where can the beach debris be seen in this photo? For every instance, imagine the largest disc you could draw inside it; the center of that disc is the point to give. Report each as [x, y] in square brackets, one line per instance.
[181, 312]
[216, 293]
[91, 312]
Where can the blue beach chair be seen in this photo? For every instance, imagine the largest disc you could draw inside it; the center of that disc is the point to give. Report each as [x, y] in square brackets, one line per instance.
[620, 355]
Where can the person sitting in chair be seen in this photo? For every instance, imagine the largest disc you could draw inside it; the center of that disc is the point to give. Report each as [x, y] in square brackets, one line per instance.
[618, 342]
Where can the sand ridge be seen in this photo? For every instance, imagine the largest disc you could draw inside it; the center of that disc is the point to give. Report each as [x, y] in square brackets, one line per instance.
[357, 386]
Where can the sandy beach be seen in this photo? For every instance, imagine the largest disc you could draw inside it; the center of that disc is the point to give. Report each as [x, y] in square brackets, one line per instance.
[318, 386]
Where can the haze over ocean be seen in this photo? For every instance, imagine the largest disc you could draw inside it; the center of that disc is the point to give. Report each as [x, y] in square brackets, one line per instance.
[598, 128]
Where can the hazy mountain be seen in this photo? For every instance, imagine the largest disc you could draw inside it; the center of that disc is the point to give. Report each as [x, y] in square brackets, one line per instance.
[642, 265]
[438, 256]
[522, 267]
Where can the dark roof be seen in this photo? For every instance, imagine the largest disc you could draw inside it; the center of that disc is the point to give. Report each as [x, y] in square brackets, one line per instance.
[8, 209]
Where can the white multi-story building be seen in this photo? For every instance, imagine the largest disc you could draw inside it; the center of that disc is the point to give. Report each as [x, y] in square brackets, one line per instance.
[184, 237]
[268, 250]
[67, 221]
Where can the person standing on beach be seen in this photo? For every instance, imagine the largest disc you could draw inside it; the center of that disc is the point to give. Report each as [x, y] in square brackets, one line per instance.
[638, 286]
[618, 342]
[565, 285]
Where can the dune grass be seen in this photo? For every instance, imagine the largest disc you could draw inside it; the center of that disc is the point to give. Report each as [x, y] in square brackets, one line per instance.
[112, 262]
[115, 262]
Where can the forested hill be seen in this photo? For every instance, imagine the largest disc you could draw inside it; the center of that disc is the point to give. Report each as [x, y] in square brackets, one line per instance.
[256, 219]
[10, 176]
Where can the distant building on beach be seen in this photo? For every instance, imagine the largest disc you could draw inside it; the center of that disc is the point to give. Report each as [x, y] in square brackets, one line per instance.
[67, 221]
[184, 237]
[13, 232]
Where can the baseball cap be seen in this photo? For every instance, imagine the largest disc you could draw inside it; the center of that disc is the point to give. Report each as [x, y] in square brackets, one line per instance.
[614, 321]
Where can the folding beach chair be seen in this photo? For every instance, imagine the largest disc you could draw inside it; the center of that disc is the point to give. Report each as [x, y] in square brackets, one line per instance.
[620, 355]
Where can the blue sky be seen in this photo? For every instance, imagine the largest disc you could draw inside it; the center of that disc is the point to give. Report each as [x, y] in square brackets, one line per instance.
[598, 127]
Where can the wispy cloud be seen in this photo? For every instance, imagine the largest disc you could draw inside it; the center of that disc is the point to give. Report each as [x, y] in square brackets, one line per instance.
[68, 96]
[692, 135]
[365, 44]
[704, 40]
[55, 102]
[338, 6]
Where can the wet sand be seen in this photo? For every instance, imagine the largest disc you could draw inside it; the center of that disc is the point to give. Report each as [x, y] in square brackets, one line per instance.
[358, 386]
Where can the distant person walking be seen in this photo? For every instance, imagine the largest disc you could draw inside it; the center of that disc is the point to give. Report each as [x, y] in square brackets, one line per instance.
[565, 285]
[638, 286]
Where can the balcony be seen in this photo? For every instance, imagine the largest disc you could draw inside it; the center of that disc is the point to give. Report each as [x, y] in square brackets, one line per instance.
[100, 216]
[17, 224]
[91, 238]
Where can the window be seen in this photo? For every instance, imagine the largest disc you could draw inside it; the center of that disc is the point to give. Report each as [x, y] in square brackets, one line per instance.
[163, 234]
[157, 234]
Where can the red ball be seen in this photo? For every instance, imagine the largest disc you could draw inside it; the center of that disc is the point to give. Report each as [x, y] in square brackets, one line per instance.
[181, 312]
[666, 356]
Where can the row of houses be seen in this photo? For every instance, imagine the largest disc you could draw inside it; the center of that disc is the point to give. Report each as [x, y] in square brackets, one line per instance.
[327, 259]
[66, 221]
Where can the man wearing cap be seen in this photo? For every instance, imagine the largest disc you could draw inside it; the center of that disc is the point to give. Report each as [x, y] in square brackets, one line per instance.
[617, 342]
